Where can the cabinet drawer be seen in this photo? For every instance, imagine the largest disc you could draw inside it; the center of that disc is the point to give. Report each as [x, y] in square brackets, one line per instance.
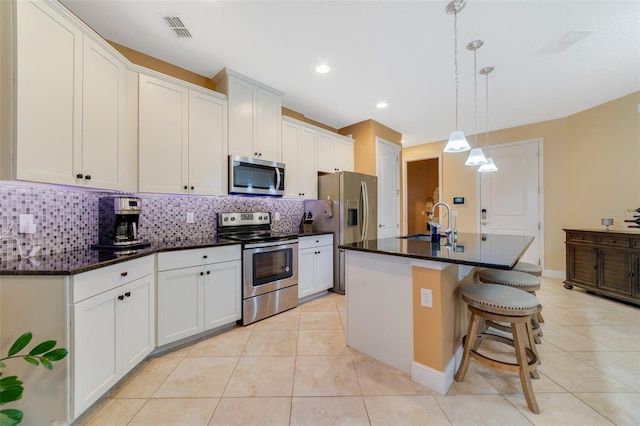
[315, 241]
[100, 280]
[613, 241]
[581, 238]
[635, 243]
[198, 257]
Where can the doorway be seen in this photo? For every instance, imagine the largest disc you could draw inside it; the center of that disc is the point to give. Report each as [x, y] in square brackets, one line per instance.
[423, 191]
[511, 198]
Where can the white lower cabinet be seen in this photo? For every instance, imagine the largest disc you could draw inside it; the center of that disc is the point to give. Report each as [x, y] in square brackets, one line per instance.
[112, 330]
[198, 290]
[315, 264]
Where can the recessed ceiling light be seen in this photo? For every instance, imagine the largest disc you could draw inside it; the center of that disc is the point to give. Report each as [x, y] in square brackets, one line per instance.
[323, 69]
[381, 105]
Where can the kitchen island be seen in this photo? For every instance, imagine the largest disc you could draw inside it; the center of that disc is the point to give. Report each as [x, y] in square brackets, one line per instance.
[403, 298]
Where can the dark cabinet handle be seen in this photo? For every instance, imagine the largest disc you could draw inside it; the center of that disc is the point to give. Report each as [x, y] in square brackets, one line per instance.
[208, 272]
[255, 153]
[186, 187]
[201, 273]
[79, 176]
[121, 297]
[205, 256]
[124, 274]
[128, 294]
[88, 177]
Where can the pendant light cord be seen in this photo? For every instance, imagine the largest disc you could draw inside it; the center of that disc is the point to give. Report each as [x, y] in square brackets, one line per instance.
[475, 94]
[455, 58]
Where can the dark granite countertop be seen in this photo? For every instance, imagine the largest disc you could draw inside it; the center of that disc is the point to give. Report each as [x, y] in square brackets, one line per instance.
[486, 250]
[82, 260]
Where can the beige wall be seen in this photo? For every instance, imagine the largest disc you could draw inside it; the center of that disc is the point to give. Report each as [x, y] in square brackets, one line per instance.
[591, 167]
[364, 150]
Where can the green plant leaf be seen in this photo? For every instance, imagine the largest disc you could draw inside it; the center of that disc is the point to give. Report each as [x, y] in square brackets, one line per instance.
[11, 394]
[43, 347]
[31, 360]
[2, 364]
[9, 382]
[10, 417]
[56, 354]
[20, 343]
[46, 363]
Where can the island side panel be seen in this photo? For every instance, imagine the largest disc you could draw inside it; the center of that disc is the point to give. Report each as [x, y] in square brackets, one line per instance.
[438, 330]
[379, 307]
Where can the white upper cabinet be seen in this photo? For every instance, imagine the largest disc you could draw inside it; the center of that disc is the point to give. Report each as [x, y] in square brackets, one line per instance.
[298, 154]
[255, 116]
[335, 152]
[70, 103]
[182, 139]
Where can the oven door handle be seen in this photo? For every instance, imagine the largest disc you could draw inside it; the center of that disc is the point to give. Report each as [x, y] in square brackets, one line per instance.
[270, 244]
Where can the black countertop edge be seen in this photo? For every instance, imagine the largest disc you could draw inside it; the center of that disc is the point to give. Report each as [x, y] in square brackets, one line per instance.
[431, 258]
[471, 256]
[77, 261]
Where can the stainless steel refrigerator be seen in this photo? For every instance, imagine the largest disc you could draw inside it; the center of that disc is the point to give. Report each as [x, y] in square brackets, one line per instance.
[347, 206]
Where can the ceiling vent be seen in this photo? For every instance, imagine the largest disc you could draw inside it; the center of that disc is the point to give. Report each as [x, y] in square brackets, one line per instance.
[568, 40]
[176, 26]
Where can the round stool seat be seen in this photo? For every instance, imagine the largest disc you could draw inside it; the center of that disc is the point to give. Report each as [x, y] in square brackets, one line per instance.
[528, 268]
[500, 299]
[515, 279]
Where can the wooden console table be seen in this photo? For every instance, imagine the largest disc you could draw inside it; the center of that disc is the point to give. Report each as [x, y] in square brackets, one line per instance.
[604, 262]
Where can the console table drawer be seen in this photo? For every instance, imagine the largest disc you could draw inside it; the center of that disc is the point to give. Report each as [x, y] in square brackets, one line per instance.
[577, 237]
[613, 241]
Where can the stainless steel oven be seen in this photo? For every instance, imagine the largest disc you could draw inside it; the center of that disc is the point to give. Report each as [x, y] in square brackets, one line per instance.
[269, 264]
[270, 279]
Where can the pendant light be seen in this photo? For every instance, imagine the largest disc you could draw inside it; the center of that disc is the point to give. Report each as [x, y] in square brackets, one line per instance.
[490, 166]
[457, 141]
[476, 156]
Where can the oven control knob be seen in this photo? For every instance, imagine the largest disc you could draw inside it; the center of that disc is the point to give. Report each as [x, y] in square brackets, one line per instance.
[232, 219]
[226, 219]
[286, 269]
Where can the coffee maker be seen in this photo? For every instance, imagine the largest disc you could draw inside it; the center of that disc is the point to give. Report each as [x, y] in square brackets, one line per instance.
[118, 219]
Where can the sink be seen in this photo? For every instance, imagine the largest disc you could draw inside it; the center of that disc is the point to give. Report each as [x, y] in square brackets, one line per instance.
[419, 237]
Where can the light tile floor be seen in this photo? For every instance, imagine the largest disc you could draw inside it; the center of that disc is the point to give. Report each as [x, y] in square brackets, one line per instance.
[295, 369]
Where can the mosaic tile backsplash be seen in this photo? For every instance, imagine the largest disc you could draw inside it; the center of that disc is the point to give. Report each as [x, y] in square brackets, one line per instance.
[67, 218]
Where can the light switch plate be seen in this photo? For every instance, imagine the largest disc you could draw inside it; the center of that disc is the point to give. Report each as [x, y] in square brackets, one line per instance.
[190, 217]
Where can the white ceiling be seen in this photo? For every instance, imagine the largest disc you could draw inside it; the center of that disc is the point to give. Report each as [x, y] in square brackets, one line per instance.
[397, 51]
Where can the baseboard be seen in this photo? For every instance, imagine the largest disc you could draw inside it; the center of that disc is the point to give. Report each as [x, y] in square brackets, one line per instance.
[435, 380]
[561, 275]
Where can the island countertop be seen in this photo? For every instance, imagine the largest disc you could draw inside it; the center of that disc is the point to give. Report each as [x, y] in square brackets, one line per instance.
[485, 250]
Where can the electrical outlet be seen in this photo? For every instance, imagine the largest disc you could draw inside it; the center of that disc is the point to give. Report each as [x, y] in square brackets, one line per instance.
[426, 298]
[190, 217]
[26, 224]
[277, 216]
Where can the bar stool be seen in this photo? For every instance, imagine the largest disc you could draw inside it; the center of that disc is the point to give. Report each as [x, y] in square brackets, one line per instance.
[532, 269]
[494, 302]
[519, 280]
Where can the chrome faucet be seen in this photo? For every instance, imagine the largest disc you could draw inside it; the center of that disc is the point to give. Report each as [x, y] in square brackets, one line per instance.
[447, 231]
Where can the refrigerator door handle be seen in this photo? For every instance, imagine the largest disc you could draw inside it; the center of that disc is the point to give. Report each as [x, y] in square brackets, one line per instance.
[365, 209]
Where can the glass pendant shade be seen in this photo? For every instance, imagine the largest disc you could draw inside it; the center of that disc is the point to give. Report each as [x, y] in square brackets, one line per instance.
[476, 158]
[488, 167]
[457, 142]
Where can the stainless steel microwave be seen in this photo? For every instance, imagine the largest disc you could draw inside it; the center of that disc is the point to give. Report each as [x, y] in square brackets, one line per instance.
[254, 176]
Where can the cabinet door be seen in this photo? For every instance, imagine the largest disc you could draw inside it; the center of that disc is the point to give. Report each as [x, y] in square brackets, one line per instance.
[306, 272]
[324, 268]
[325, 153]
[290, 155]
[102, 118]
[343, 155]
[268, 125]
[96, 350]
[223, 293]
[242, 97]
[307, 167]
[207, 144]
[180, 307]
[582, 265]
[48, 49]
[138, 321]
[615, 271]
[163, 136]
[635, 274]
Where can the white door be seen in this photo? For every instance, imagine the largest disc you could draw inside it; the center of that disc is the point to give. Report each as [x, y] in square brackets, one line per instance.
[388, 172]
[510, 198]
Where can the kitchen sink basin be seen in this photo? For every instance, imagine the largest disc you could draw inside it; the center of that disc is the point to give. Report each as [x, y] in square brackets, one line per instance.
[419, 237]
